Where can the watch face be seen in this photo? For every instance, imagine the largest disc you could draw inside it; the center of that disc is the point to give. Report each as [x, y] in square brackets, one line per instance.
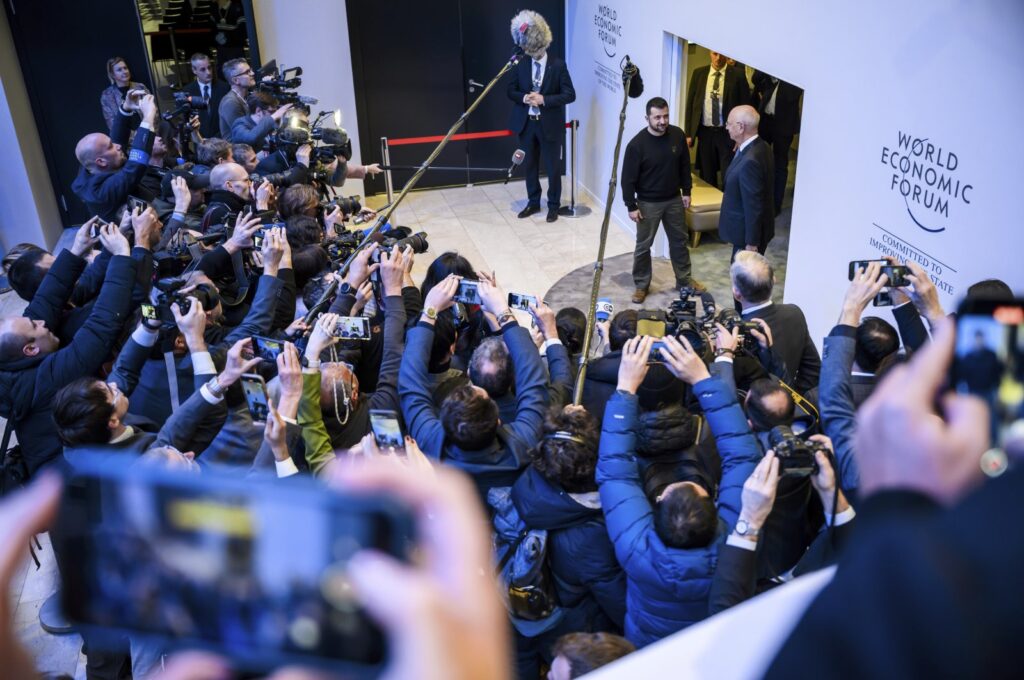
[742, 527]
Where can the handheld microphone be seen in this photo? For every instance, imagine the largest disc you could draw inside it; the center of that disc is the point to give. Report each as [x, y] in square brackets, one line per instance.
[631, 73]
[517, 160]
[309, 101]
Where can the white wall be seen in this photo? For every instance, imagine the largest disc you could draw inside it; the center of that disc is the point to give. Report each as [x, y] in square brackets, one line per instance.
[28, 209]
[949, 71]
[313, 34]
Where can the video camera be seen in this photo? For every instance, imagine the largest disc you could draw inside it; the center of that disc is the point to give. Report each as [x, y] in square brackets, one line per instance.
[281, 85]
[692, 316]
[795, 454]
[185, 105]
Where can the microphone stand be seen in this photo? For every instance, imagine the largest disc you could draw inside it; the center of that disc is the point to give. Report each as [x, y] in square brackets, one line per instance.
[383, 217]
[628, 74]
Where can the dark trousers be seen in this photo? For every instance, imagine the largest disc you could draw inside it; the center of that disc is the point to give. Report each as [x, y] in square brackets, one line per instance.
[780, 155]
[714, 151]
[672, 214]
[532, 141]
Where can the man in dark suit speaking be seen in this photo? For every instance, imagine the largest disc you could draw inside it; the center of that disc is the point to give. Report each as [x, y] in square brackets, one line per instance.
[209, 89]
[540, 88]
[747, 218]
[713, 93]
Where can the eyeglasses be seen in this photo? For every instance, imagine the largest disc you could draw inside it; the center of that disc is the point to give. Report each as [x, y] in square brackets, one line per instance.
[247, 72]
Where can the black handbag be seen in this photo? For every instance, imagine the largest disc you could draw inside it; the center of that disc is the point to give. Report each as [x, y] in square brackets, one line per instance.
[13, 470]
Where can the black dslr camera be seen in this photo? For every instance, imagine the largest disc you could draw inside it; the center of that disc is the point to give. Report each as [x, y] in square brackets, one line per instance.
[795, 454]
[731, 319]
[169, 295]
[350, 205]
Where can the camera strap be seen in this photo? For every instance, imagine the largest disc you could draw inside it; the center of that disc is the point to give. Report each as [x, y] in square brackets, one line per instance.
[172, 379]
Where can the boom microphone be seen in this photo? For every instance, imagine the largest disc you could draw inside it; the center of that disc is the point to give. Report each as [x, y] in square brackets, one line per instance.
[632, 73]
[530, 32]
[517, 160]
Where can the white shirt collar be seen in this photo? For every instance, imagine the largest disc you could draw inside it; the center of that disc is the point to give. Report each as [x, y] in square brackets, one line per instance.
[543, 61]
[128, 433]
[745, 144]
[754, 308]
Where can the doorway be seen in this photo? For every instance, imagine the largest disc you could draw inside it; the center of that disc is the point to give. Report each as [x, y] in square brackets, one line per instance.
[416, 76]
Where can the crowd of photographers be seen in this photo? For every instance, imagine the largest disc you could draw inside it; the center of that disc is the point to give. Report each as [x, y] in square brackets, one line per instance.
[708, 464]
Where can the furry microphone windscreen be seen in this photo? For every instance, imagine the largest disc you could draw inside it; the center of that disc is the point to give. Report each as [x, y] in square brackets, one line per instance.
[530, 32]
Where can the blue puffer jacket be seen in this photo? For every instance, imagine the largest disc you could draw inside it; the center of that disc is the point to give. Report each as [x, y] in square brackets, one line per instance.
[591, 584]
[667, 588]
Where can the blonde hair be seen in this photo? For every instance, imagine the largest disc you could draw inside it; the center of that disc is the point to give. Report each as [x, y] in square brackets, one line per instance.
[111, 63]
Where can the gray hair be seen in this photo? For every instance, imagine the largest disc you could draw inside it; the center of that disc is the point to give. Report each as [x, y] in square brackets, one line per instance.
[752, 276]
[531, 32]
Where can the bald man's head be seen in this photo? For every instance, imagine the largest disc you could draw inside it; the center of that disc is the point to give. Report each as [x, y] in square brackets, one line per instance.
[742, 123]
[97, 153]
[231, 177]
[753, 277]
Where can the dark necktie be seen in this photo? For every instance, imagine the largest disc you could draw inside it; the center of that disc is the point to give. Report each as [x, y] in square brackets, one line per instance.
[716, 101]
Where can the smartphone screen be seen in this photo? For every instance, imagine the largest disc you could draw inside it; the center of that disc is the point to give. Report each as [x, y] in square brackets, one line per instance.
[655, 356]
[521, 301]
[387, 431]
[863, 264]
[134, 203]
[267, 349]
[256, 396]
[883, 299]
[655, 328]
[989, 360]
[247, 568]
[352, 328]
[468, 292]
[149, 312]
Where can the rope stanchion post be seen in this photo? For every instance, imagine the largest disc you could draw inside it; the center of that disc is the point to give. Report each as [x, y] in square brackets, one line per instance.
[385, 154]
[574, 209]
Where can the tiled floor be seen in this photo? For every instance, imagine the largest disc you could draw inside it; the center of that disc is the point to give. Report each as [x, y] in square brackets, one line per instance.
[528, 256]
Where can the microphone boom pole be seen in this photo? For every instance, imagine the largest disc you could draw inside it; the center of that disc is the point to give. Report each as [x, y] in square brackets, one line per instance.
[629, 72]
[383, 218]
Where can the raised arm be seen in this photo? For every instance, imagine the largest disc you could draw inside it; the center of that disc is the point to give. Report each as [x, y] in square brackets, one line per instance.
[319, 450]
[421, 416]
[392, 272]
[57, 287]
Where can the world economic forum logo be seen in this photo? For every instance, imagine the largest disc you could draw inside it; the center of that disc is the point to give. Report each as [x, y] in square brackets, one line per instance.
[926, 176]
[609, 30]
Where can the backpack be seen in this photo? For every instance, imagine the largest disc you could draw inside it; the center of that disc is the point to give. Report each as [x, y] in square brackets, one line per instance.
[524, 575]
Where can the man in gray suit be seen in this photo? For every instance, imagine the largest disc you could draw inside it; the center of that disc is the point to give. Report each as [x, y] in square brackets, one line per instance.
[747, 218]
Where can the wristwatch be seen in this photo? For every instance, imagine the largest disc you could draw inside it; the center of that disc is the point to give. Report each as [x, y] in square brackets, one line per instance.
[346, 288]
[744, 529]
[214, 387]
[431, 313]
[505, 317]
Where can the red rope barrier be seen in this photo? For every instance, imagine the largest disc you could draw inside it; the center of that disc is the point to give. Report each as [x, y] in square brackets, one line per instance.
[455, 138]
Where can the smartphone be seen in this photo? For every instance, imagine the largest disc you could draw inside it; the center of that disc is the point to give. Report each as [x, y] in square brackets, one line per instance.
[244, 567]
[256, 396]
[387, 431]
[352, 328]
[94, 230]
[863, 264]
[650, 323]
[468, 292]
[897, 274]
[267, 349]
[257, 238]
[521, 301]
[149, 312]
[989, 359]
[883, 298]
[655, 356]
[134, 203]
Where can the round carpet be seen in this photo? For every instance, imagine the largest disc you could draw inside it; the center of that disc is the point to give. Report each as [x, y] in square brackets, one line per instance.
[709, 263]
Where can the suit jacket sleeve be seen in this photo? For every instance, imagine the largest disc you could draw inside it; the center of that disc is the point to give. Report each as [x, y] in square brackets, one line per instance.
[531, 382]
[91, 280]
[514, 90]
[194, 416]
[261, 314]
[421, 416]
[566, 92]
[692, 101]
[128, 366]
[912, 329]
[735, 578]
[386, 394]
[838, 413]
[115, 190]
[754, 187]
[559, 375]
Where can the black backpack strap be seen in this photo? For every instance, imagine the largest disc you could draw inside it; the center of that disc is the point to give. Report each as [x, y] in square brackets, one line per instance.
[512, 550]
[8, 429]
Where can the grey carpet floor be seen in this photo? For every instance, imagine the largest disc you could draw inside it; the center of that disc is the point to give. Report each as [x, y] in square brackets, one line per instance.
[709, 262]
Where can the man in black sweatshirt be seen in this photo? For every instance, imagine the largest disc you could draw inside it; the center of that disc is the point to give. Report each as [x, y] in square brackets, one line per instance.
[656, 186]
